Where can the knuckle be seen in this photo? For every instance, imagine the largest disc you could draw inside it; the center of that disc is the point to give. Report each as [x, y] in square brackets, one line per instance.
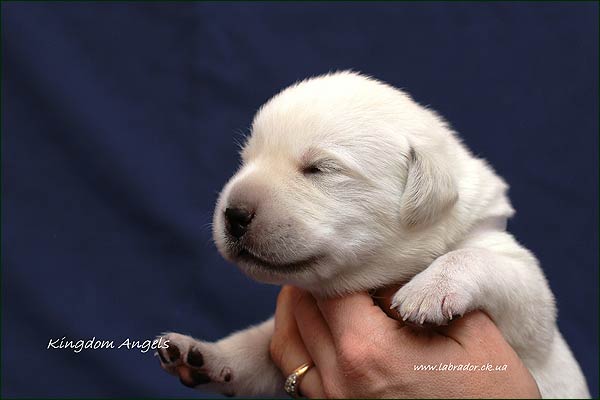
[352, 351]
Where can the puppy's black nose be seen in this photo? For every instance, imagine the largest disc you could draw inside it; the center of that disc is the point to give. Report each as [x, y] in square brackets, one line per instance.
[238, 220]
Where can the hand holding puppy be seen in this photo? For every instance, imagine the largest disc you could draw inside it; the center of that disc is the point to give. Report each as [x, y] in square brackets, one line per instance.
[359, 352]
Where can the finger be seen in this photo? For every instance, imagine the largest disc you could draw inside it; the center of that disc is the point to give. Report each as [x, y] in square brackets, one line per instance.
[296, 355]
[292, 353]
[315, 333]
[472, 328]
[286, 302]
[353, 313]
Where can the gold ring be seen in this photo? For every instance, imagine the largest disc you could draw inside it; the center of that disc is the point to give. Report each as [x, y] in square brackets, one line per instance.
[292, 382]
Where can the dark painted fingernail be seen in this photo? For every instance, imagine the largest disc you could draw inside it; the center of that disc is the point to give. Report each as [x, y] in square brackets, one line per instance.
[173, 353]
[195, 358]
[162, 358]
[199, 378]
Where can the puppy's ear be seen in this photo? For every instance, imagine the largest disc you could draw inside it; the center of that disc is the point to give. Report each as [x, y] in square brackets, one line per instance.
[430, 189]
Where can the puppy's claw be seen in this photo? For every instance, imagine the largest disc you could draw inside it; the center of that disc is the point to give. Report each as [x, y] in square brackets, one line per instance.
[427, 302]
[196, 363]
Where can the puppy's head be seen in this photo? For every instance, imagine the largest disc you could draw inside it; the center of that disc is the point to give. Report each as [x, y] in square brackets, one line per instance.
[340, 171]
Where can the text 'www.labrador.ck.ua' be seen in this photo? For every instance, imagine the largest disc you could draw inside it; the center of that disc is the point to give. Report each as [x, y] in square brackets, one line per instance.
[347, 184]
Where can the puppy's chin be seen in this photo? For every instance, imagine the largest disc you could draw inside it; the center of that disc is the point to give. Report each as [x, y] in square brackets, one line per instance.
[267, 271]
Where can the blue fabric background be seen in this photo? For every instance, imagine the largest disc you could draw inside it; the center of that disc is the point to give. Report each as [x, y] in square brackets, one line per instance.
[119, 123]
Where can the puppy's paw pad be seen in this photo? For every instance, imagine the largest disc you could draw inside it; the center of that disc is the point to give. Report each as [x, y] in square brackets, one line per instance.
[226, 374]
[192, 378]
[174, 350]
[195, 358]
[195, 362]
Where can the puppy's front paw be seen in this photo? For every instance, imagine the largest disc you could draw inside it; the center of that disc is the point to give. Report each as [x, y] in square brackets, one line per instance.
[195, 363]
[433, 297]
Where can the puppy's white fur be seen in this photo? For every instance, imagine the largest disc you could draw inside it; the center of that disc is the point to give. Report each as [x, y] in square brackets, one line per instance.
[392, 196]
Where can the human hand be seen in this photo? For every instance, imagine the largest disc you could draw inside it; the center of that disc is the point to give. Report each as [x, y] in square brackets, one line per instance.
[359, 351]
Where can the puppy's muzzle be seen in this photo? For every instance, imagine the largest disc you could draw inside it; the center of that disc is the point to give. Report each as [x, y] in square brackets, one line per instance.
[237, 220]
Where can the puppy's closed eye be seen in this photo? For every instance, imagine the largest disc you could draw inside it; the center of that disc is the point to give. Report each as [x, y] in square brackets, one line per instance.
[312, 170]
[320, 167]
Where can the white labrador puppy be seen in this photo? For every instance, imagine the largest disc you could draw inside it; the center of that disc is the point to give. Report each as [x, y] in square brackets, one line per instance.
[347, 184]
